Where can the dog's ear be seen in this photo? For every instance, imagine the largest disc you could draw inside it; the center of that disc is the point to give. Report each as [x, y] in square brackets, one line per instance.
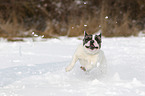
[85, 33]
[98, 38]
[100, 35]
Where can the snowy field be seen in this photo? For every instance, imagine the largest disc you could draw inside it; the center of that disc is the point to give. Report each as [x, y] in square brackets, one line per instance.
[38, 68]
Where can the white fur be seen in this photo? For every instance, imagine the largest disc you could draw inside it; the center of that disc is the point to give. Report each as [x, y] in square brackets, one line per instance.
[93, 37]
[88, 58]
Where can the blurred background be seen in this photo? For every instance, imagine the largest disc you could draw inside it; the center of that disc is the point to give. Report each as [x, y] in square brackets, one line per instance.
[53, 18]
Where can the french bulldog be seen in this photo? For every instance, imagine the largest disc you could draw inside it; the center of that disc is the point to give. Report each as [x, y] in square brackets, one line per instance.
[89, 54]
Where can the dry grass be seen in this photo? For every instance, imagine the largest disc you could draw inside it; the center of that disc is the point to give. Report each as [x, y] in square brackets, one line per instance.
[11, 29]
[63, 18]
[91, 26]
[123, 28]
[116, 23]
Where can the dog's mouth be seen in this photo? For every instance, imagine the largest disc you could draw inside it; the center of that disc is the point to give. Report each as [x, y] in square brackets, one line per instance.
[92, 47]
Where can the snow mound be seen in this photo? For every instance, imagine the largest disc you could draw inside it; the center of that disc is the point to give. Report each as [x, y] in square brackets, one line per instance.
[38, 69]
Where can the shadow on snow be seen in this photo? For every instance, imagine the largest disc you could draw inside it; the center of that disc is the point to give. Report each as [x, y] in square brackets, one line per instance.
[12, 74]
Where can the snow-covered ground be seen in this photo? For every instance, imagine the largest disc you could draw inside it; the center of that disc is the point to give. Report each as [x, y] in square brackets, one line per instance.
[38, 68]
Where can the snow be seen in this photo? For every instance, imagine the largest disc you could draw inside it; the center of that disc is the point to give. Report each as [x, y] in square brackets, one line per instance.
[38, 68]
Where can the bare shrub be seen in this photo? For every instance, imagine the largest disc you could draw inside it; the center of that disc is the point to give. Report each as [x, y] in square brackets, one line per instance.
[53, 18]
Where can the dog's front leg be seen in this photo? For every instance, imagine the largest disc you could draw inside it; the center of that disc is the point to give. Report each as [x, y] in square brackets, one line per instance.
[70, 67]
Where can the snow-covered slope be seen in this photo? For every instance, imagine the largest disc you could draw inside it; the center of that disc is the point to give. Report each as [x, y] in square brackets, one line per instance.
[38, 69]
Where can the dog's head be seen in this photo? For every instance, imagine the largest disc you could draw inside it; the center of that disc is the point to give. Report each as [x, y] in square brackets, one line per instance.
[92, 42]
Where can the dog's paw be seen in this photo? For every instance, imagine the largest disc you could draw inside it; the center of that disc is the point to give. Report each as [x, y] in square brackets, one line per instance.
[83, 68]
[67, 69]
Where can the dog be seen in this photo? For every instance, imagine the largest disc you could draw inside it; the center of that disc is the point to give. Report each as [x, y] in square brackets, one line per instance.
[89, 54]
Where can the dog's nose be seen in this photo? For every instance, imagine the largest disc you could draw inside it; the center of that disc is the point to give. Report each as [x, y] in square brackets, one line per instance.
[92, 41]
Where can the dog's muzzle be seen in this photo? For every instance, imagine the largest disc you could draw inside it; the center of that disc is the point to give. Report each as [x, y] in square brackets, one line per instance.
[92, 47]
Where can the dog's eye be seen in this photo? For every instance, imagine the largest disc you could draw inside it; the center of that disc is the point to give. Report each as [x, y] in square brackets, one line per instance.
[98, 39]
[88, 38]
